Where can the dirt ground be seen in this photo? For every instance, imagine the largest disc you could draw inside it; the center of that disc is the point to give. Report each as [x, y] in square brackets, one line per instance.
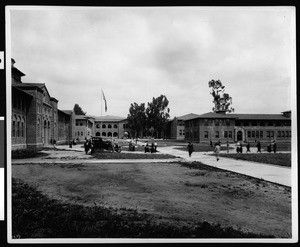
[168, 191]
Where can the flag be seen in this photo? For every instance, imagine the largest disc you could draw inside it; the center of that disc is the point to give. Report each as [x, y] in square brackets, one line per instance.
[104, 100]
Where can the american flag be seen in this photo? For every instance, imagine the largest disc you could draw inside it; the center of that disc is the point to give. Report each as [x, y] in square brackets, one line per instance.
[104, 100]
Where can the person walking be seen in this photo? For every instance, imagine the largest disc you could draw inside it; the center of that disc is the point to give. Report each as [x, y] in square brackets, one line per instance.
[258, 145]
[86, 146]
[217, 150]
[248, 147]
[274, 146]
[227, 145]
[190, 148]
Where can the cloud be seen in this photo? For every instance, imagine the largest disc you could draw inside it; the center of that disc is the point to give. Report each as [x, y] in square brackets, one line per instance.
[135, 54]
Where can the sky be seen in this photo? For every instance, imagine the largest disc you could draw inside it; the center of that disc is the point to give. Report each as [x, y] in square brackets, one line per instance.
[135, 54]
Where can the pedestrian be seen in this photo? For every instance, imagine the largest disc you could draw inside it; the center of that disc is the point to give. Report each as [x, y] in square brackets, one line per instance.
[211, 143]
[70, 144]
[155, 147]
[269, 149]
[190, 148]
[274, 146]
[227, 145]
[258, 145]
[217, 150]
[238, 147]
[248, 147]
[86, 146]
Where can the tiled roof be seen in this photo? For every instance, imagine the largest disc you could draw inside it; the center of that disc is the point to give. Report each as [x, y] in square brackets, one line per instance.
[109, 119]
[259, 116]
[188, 116]
[20, 90]
[69, 112]
[216, 115]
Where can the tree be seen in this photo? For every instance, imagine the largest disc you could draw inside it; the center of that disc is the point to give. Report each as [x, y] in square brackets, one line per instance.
[157, 114]
[222, 101]
[137, 119]
[78, 110]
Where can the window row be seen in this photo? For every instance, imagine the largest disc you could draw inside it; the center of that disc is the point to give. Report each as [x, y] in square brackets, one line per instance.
[80, 133]
[18, 126]
[19, 103]
[109, 134]
[263, 123]
[217, 122]
[109, 126]
[227, 134]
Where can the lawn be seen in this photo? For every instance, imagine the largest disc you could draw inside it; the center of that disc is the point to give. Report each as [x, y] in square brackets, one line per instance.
[37, 216]
[130, 155]
[280, 159]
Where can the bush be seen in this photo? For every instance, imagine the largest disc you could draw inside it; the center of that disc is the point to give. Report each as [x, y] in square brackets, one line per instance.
[26, 153]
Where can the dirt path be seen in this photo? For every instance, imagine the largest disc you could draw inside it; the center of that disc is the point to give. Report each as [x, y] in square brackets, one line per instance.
[168, 191]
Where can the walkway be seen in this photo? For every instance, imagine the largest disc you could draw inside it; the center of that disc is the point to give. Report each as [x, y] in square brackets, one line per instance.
[272, 173]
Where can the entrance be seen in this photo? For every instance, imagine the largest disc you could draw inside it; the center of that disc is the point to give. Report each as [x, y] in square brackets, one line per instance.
[239, 136]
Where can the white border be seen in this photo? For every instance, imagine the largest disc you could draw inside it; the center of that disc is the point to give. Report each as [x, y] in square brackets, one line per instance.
[294, 169]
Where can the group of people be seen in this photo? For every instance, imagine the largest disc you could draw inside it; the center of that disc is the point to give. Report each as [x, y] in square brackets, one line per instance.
[239, 147]
[152, 148]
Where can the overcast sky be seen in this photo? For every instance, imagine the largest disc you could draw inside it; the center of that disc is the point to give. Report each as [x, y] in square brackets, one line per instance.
[134, 54]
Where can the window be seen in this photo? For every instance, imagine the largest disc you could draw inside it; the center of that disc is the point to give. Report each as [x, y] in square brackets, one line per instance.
[268, 133]
[227, 122]
[14, 128]
[103, 126]
[78, 133]
[109, 134]
[81, 124]
[98, 126]
[22, 129]
[206, 134]
[283, 134]
[115, 126]
[225, 134]
[115, 134]
[261, 134]
[88, 133]
[253, 134]
[270, 123]
[254, 123]
[230, 134]
[103, 134]
[217, 122]
[76, 123]
[262, 124]
[246, 123]
[109, 126]
[249, 134]
[180, 132]
[287, 134]
[217, 134]
[238, 123]
[205, 122]
[256, 134]
[81, 133]
[272, 133]
[279, 134]
[18, 129]
[277, 124]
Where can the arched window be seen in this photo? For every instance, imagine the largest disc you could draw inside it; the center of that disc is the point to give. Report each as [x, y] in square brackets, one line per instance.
[81, 133]
[22, 127]
[98, 126]
[103, 126]
[109, 134]
[109, 126]
[78, 133]
[115, 134]
[115, 126]
[19, 127]
[103, 134]
[97, 133]
[48, 125]
[14, 126]
[38, 128]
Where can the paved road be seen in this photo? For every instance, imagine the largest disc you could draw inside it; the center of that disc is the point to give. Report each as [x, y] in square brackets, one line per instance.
[272, 173]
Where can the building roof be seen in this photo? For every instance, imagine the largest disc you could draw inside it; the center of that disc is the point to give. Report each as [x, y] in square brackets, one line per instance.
[53, 99]
[83, 116]
[109, 119]
[216, 115]
[69, 112]
[22, 91]
[15, 70]
[259, 116]
[25, 86]
[188, 116]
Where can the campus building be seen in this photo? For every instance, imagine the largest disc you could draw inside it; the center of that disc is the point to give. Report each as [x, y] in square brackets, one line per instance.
[176, 126]
[239, 127]
[37, 121]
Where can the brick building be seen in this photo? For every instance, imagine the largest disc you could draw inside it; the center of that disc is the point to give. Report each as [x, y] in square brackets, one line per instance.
[239, 127]
[111, 126]
[36, 120]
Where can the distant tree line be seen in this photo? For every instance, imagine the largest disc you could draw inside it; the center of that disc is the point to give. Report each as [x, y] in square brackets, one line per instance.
[150, 121]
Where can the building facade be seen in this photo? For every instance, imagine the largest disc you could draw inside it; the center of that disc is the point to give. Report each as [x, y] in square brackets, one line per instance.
[111, 126]
[239, 127]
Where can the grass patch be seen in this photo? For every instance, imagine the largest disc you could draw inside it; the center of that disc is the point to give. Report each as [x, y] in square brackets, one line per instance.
[36, 216]
[132, 155]
[280, 159]
[27, 153]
